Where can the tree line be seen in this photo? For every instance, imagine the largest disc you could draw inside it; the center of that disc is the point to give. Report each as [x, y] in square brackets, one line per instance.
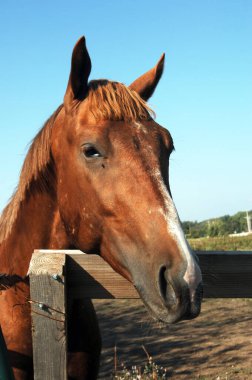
[225, 225]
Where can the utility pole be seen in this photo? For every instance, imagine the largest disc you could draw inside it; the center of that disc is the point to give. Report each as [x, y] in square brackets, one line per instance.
[248, 218]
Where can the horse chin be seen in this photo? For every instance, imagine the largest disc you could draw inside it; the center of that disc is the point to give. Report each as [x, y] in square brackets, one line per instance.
[161, 313]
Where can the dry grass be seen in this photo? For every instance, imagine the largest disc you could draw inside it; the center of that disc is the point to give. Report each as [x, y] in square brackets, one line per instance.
[223, 243]
[149, 371]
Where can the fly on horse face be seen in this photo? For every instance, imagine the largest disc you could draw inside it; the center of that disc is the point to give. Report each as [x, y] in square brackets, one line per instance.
[96, 179]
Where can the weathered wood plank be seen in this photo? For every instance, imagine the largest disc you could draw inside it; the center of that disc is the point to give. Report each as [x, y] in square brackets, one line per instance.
[225, 274]
[225, 262]
[48, 315]
[227, 285]
[89, 276]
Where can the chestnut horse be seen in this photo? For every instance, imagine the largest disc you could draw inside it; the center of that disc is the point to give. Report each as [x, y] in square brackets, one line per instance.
[96, 178]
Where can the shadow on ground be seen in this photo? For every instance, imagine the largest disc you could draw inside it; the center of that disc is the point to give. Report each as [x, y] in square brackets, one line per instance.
[216, 345]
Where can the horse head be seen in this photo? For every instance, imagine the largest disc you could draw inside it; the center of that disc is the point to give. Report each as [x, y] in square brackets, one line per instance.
[113, 192]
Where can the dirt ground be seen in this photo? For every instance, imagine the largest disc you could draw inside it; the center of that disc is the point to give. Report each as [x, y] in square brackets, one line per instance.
[215, 346]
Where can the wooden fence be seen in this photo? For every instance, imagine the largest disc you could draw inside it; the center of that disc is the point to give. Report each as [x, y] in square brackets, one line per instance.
[57, 276]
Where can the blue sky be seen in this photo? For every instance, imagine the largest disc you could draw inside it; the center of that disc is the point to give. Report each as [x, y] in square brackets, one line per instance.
[204, 97]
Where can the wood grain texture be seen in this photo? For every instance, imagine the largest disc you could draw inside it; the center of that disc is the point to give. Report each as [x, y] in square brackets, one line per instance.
[225, 274]
[225, 262]
[89, 276]
[48, 316]
[48, 263]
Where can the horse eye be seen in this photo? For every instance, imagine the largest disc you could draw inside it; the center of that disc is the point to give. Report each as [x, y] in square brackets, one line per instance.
[91, 152]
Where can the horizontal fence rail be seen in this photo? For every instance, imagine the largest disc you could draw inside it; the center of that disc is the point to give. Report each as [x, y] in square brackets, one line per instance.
[57, 277]
[225, 274]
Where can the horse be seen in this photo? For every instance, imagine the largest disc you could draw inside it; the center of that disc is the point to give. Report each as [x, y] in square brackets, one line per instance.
[96, 178]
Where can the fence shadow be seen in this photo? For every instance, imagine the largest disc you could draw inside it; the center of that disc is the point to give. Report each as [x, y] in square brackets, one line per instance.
[219, 340]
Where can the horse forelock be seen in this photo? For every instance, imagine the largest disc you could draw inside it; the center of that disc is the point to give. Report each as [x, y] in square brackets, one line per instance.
[109, 100]
[36, 168]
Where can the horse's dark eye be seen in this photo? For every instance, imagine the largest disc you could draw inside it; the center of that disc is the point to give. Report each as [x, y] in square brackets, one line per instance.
[91, 152]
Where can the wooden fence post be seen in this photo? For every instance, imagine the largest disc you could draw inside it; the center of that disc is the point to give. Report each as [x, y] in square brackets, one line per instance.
[48, 307]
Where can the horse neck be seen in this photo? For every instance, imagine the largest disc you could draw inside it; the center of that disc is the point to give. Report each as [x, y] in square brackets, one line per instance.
[38, 226]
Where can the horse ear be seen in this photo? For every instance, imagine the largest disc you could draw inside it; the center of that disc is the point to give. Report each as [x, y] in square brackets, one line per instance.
[80, 69]
[145, 85]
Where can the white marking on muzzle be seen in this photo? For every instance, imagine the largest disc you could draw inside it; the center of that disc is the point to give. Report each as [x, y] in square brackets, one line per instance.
[192, 275]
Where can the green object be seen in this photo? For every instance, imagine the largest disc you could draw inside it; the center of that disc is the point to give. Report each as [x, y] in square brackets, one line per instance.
[6, 372]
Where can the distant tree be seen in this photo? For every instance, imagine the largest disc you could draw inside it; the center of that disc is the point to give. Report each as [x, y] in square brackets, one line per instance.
[222, 226]
[188, 227]
[213, 230]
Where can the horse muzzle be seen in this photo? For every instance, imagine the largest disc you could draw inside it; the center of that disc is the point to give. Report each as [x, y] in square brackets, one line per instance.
[176, 296]
[170, 301]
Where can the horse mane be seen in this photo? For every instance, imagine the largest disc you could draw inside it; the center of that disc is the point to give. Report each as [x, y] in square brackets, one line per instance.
[107, 101]
[35, 168]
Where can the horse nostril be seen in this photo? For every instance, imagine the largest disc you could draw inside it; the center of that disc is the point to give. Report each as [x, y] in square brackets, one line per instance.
[162, 282]
[166, 289]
